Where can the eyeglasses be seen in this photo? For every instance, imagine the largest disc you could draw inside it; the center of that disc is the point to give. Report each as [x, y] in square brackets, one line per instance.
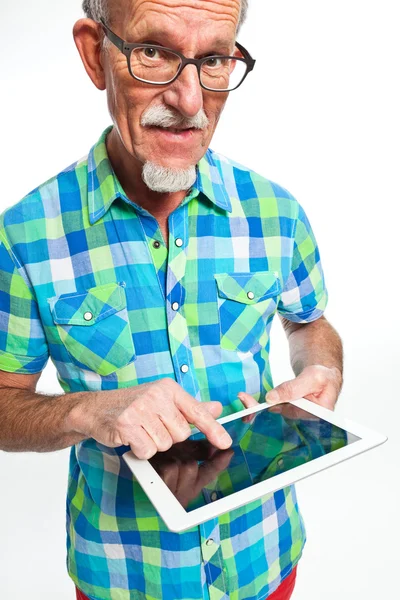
[158, 65]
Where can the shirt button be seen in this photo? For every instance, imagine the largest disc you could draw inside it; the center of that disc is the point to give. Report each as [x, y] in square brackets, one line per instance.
[184, 368]
[178, 242]
[209, 542]
[88, 316]
[250, 295]
[214, 496]
[175, 306]
[156, 244]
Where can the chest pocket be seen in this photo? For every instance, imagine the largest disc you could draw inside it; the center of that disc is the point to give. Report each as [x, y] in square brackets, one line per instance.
[246, 301]
[94, 327]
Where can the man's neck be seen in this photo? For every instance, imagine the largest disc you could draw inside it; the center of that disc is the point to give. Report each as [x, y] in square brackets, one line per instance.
[128, 171]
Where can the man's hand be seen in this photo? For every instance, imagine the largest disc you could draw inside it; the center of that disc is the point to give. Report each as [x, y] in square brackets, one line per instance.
[317, 383]
[312, 345]
[149, 418]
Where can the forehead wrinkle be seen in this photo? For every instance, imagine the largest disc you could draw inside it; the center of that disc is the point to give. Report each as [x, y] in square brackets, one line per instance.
[178, 37]
[215, 10]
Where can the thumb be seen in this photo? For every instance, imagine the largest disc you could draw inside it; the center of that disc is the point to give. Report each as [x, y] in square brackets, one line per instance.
[294, 389]
[214, 407]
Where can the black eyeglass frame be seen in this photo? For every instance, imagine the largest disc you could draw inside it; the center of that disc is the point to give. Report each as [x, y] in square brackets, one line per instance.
[127, 48]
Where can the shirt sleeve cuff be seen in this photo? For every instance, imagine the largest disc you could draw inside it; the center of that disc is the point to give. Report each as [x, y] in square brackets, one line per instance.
[309, 315]
[14, 363]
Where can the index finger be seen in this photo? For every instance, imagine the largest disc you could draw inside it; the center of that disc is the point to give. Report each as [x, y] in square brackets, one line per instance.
[196, 413]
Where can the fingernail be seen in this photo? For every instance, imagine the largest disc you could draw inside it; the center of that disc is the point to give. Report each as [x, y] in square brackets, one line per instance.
[272, 397]
[226, 439]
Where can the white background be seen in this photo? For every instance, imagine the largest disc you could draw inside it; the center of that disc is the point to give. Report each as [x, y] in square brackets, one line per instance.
[320, 116]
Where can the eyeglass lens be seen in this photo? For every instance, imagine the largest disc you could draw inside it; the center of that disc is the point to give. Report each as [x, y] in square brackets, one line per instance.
[160, 66]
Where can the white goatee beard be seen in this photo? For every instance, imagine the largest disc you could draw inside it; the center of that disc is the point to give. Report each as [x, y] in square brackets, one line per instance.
[167, 180]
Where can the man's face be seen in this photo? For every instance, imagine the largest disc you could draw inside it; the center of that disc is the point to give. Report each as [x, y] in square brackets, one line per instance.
[195, 28]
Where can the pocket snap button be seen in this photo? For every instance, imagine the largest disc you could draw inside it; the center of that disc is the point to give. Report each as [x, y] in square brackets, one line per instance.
[88, 316]
[250, 295]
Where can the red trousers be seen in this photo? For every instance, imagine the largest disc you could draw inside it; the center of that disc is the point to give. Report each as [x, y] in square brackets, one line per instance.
[283, 592]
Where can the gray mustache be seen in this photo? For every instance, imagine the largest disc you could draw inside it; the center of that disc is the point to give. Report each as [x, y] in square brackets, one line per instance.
[161, 116]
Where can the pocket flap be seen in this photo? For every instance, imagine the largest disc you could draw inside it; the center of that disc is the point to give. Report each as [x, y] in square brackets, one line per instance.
[89, 307]
[248, 288]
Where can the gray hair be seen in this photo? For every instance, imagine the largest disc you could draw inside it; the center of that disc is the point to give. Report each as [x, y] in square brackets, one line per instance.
[95, 9]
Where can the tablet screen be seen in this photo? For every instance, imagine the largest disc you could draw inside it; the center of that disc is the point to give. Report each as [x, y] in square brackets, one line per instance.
[268, 443]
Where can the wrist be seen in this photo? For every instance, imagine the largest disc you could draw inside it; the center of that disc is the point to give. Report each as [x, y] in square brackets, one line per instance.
[75, 421]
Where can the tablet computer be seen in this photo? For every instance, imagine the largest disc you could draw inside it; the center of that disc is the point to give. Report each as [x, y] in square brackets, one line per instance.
[273, 446]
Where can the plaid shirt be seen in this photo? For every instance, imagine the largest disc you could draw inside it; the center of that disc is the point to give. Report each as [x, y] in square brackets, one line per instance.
[82, 280]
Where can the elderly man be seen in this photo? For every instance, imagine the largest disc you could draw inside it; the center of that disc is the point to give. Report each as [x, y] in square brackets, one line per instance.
[150, 272]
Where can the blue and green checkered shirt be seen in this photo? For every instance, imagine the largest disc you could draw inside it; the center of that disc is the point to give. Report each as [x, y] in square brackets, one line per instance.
[83, 281]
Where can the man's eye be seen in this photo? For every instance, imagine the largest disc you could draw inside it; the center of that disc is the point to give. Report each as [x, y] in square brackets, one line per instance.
[150, 52]
[213, 62]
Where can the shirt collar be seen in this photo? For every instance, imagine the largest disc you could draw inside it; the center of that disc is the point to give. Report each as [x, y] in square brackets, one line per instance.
[209, 182]
[104, 186]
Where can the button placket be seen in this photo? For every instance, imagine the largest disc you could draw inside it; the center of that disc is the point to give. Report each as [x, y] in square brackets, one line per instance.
[177, 327]
[158, 254]
[212, 557]
[210, 538]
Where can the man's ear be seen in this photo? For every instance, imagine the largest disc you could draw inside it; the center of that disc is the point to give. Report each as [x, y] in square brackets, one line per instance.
[87, 35]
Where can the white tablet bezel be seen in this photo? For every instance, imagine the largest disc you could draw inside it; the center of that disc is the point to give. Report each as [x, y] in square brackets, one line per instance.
[176, 517]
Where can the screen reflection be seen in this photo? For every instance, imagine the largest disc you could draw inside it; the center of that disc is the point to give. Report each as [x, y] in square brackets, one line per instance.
[268, 443]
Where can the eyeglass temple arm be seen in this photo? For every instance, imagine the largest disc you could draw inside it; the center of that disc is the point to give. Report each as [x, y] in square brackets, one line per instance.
[247, 55]
[115, 39]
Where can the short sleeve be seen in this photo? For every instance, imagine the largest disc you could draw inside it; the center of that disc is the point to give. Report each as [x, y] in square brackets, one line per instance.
[23, 345]
[304, 296]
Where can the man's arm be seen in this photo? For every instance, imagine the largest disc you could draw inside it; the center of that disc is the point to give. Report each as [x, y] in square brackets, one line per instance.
[149, 417]
[315, 343]
[34, 422]
[316, 356]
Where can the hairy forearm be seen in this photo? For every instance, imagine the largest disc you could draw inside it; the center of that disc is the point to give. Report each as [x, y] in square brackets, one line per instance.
[31, 422]
[316, 343]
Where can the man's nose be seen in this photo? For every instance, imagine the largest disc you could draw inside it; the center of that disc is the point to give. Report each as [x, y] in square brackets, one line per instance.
[185, 94]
